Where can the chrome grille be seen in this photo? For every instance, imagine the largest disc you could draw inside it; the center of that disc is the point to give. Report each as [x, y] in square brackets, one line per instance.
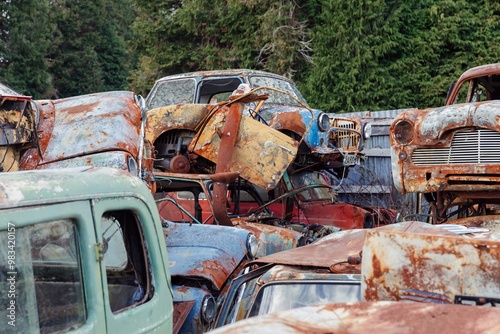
[347, 139]
[467, 147]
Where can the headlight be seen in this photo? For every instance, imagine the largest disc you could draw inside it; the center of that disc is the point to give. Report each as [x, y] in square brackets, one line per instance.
[252, 245]
[132, 165]
[367, 131]
[323, 122]
[403, 131]
[208, 309]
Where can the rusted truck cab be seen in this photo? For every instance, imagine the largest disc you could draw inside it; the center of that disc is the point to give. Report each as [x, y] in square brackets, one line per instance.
[83, 251]
[326, 141]
[450, 153]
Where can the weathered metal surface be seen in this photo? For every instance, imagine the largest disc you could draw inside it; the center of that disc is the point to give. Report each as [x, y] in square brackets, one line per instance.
[87, 124]
[181, 116]
[373, 317]
[18, 127]
[261, 154]
[181, 311]
[284, 110]
[333, 251]
[228, 139]
[454, 148]
[193, 322]
[272, 239]
[395, 263]
[205, 251]
[101, 129]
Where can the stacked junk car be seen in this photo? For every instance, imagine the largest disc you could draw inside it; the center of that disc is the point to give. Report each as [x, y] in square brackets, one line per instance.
[235, 173]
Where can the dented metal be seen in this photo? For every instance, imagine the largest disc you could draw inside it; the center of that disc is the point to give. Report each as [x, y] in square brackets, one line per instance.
[101, 129]
[372, 317]
[398, 264]
[18, 119]
[322, 144]
[450, 153]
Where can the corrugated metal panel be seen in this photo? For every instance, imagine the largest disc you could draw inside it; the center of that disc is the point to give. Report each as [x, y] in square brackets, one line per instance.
[371, 182]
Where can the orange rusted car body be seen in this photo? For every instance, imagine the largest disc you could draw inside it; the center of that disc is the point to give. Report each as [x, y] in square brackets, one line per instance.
[450, 153]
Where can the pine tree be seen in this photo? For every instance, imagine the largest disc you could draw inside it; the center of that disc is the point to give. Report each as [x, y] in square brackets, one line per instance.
[24, 41]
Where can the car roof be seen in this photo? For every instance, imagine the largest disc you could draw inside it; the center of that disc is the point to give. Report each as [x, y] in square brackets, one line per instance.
[227, 72]
[26, 188]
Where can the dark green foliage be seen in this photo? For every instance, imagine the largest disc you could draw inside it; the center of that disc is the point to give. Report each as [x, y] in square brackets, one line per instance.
[367, 54]
[24, 40]
[89, 55]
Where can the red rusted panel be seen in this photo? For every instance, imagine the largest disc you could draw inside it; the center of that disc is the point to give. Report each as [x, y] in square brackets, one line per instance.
[373, 318]
[290, 121]
[395, 263]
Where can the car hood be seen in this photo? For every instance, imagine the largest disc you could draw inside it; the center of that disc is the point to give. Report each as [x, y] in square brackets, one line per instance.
[434, 122]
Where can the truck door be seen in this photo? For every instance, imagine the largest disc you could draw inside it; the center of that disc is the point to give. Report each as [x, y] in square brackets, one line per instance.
[48, 272]
[134, 267]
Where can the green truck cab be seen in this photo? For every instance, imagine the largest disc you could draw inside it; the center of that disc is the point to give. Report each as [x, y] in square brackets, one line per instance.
[82, 251]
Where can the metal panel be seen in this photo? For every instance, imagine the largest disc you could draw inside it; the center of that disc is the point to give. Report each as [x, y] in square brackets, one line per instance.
[397, 264]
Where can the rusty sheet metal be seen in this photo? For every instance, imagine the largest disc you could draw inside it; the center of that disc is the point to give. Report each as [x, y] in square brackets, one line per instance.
[181, 311]
[261, 154]
[373, 317]
[86, 124]
[210, 252]
[272, 239]
[18, 128]
[395, 263]
[452, 148]
[290, 121]
[180, 116]
[335, 249]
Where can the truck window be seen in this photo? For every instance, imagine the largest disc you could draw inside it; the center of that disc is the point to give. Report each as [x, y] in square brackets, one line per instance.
[126, 261]
[41, 277]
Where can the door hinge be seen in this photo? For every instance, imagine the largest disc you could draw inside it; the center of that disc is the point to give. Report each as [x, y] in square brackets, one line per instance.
[99, 251]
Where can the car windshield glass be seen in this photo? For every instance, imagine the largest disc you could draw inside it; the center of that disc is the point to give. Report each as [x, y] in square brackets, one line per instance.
[172, 92]
[275, 97]
[285, 296]
[325, 192]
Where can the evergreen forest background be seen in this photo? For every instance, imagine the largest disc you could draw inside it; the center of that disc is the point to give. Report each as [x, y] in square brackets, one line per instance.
[345, 55]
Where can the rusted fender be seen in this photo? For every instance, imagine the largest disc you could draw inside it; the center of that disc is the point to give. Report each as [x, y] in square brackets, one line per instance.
[261, 154]
[395, 263]
[334, 250]
[83, 125]
[209, 252]
[272, 239]
[373, 317]
[180, 116]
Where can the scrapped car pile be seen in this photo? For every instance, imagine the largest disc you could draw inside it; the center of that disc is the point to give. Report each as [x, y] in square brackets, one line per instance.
[241, 166]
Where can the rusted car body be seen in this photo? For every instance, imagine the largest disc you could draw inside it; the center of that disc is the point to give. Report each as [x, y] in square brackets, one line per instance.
[417, 265]
[326, 271]
[303, 201]
[203, 261]
[101, 129]
[194, 193]
[381, 317]
[431, 268]
[450, 153]
[178, 105]
[18, 127]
